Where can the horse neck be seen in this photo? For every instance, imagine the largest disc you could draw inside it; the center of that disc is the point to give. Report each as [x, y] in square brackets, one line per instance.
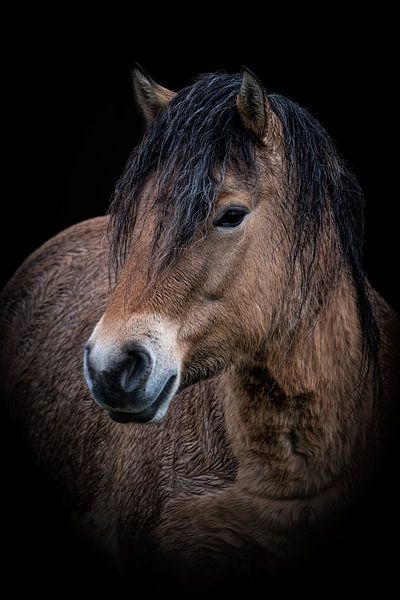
[295, 418]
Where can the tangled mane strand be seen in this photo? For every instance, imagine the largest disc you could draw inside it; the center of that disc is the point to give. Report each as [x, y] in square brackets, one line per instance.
[325, 185]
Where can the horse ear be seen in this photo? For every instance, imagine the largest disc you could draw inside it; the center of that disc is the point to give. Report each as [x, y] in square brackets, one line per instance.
[253, 105]
[150, 96]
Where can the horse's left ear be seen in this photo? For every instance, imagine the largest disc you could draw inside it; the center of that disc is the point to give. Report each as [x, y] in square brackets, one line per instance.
[253, 105]
[150, 96]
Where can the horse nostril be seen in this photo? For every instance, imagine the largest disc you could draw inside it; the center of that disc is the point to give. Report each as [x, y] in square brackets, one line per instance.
[136, 367]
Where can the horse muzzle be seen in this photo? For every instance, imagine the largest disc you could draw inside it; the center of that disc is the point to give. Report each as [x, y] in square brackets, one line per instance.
[134, 381]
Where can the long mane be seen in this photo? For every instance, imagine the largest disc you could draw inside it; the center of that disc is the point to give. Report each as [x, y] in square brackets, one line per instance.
[184, 155]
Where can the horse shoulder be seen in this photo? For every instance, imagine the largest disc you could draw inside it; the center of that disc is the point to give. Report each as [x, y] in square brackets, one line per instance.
[57, 278]
[46, 313]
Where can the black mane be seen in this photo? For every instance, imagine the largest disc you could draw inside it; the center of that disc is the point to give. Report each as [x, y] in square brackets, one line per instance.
[188, 148]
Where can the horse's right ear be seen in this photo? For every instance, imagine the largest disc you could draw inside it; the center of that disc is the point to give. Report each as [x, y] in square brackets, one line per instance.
[150, 96]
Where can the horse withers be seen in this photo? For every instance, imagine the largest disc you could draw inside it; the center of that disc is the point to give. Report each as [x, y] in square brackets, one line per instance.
[244, 368]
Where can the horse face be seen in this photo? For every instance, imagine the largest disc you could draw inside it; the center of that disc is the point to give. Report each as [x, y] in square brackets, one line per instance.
[213, 308]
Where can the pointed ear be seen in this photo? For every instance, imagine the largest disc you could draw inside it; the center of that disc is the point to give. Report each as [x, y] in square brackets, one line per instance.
[150, 96]
[253, 105]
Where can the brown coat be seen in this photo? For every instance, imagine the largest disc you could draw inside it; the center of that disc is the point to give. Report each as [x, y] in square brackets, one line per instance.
[179, 486]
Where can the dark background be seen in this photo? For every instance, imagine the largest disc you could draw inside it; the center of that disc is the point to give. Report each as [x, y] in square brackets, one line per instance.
[72, 124]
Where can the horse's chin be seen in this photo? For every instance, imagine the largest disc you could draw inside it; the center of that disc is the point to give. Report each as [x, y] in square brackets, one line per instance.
[145, 416]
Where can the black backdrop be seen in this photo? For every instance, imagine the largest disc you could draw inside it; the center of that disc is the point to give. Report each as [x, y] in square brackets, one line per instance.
[73, 124]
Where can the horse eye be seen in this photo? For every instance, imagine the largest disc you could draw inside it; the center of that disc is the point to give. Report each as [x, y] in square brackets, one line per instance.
[231, 217]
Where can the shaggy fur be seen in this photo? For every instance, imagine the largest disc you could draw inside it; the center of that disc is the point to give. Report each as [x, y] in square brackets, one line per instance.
[272, 437]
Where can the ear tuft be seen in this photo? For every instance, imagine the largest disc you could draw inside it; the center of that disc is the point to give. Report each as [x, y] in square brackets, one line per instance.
[252, 104]
[150, 96]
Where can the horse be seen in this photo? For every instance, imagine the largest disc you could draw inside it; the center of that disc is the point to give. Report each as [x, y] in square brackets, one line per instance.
[205, 375]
